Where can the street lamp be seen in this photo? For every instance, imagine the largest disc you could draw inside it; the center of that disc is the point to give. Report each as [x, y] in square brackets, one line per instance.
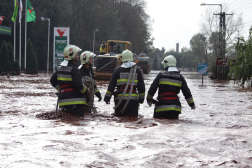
[220, 26]
[96, 30]
[204, 4]
[43, 19]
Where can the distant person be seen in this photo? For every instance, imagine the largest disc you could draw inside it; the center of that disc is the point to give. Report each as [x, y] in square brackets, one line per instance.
[127, 79]
[103, 48]
[169, 82]
[142, 54]
[67, 80]
[87, 60]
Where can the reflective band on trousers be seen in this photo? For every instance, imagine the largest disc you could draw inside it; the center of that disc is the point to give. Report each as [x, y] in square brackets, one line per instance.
[126, 96]
[168, 108]
[108, 93]
[72, 101]
[149, 96]
[190, 100]
[173, 82]
[63, 77]
[141, 95]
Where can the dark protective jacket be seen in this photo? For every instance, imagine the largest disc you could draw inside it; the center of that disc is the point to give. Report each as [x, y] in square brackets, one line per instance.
[119, 80]
[67, 80]
[169, 84]
[90, 73]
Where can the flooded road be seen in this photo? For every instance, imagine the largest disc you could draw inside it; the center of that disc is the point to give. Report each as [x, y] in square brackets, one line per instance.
[217, 134]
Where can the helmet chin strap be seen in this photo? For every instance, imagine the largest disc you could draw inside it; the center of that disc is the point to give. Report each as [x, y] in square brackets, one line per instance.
[88, 65]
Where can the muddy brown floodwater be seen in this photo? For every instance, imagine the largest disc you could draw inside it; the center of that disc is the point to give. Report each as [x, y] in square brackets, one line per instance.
[217, 134]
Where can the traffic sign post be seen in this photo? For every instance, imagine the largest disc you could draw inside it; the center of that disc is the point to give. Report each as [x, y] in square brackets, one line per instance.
[61, 40]
[202, 69]
[221, 64]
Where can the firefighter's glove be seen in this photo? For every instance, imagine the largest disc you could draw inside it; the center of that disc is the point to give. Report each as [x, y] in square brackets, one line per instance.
[100, 98]
[193, 107]
[149, 102]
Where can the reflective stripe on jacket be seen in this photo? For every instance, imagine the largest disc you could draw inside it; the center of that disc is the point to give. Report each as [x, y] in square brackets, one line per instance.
[73, 101]
[169, 85]
[119, 81]
[168, 108]
[67, 80]
[102, 49]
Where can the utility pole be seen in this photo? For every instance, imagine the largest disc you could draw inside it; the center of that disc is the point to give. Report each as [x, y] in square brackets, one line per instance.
[222, 35]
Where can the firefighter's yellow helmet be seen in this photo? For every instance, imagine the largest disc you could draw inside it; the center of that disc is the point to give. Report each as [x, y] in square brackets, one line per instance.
[84, 57]
[70, 52]
[127, 55]
[169, 60]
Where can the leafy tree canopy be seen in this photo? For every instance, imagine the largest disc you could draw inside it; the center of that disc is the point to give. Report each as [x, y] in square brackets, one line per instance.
[242, 70]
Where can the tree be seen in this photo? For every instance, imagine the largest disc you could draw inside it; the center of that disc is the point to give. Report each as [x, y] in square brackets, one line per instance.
[214, 43]
[116, 20]
[163, 50]
[198, 44]
[189, 60]
[31, 67]
[210, 28]
[242, 70]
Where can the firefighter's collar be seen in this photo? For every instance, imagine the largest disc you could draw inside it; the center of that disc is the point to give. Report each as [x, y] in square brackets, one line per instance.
[128, 64]
[64, 63]
[172, 69]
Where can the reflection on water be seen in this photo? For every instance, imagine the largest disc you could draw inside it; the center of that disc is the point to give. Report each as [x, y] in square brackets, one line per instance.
[216, 134]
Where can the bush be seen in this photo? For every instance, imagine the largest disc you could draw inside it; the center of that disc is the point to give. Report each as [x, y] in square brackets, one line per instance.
[31, 66]
[11, 53]
[8, 66]
[4, 54]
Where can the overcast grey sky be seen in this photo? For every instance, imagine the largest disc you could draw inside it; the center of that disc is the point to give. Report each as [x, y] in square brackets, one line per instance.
[176, 21]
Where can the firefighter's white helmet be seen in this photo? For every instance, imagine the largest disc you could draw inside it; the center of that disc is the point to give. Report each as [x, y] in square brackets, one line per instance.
[70, 52]
[84, 57]
[127, 55]
[169, 60]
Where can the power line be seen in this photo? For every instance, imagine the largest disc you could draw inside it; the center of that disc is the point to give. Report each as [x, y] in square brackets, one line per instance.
[245, 8]
[247, 26]
[244, 24]
[241, 5]
[235, 5]
[247, 22]
[233, 2]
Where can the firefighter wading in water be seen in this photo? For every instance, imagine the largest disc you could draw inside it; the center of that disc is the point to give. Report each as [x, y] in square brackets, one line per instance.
[67, 80]
[170, 82]
[119, 80]
[85, 68]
